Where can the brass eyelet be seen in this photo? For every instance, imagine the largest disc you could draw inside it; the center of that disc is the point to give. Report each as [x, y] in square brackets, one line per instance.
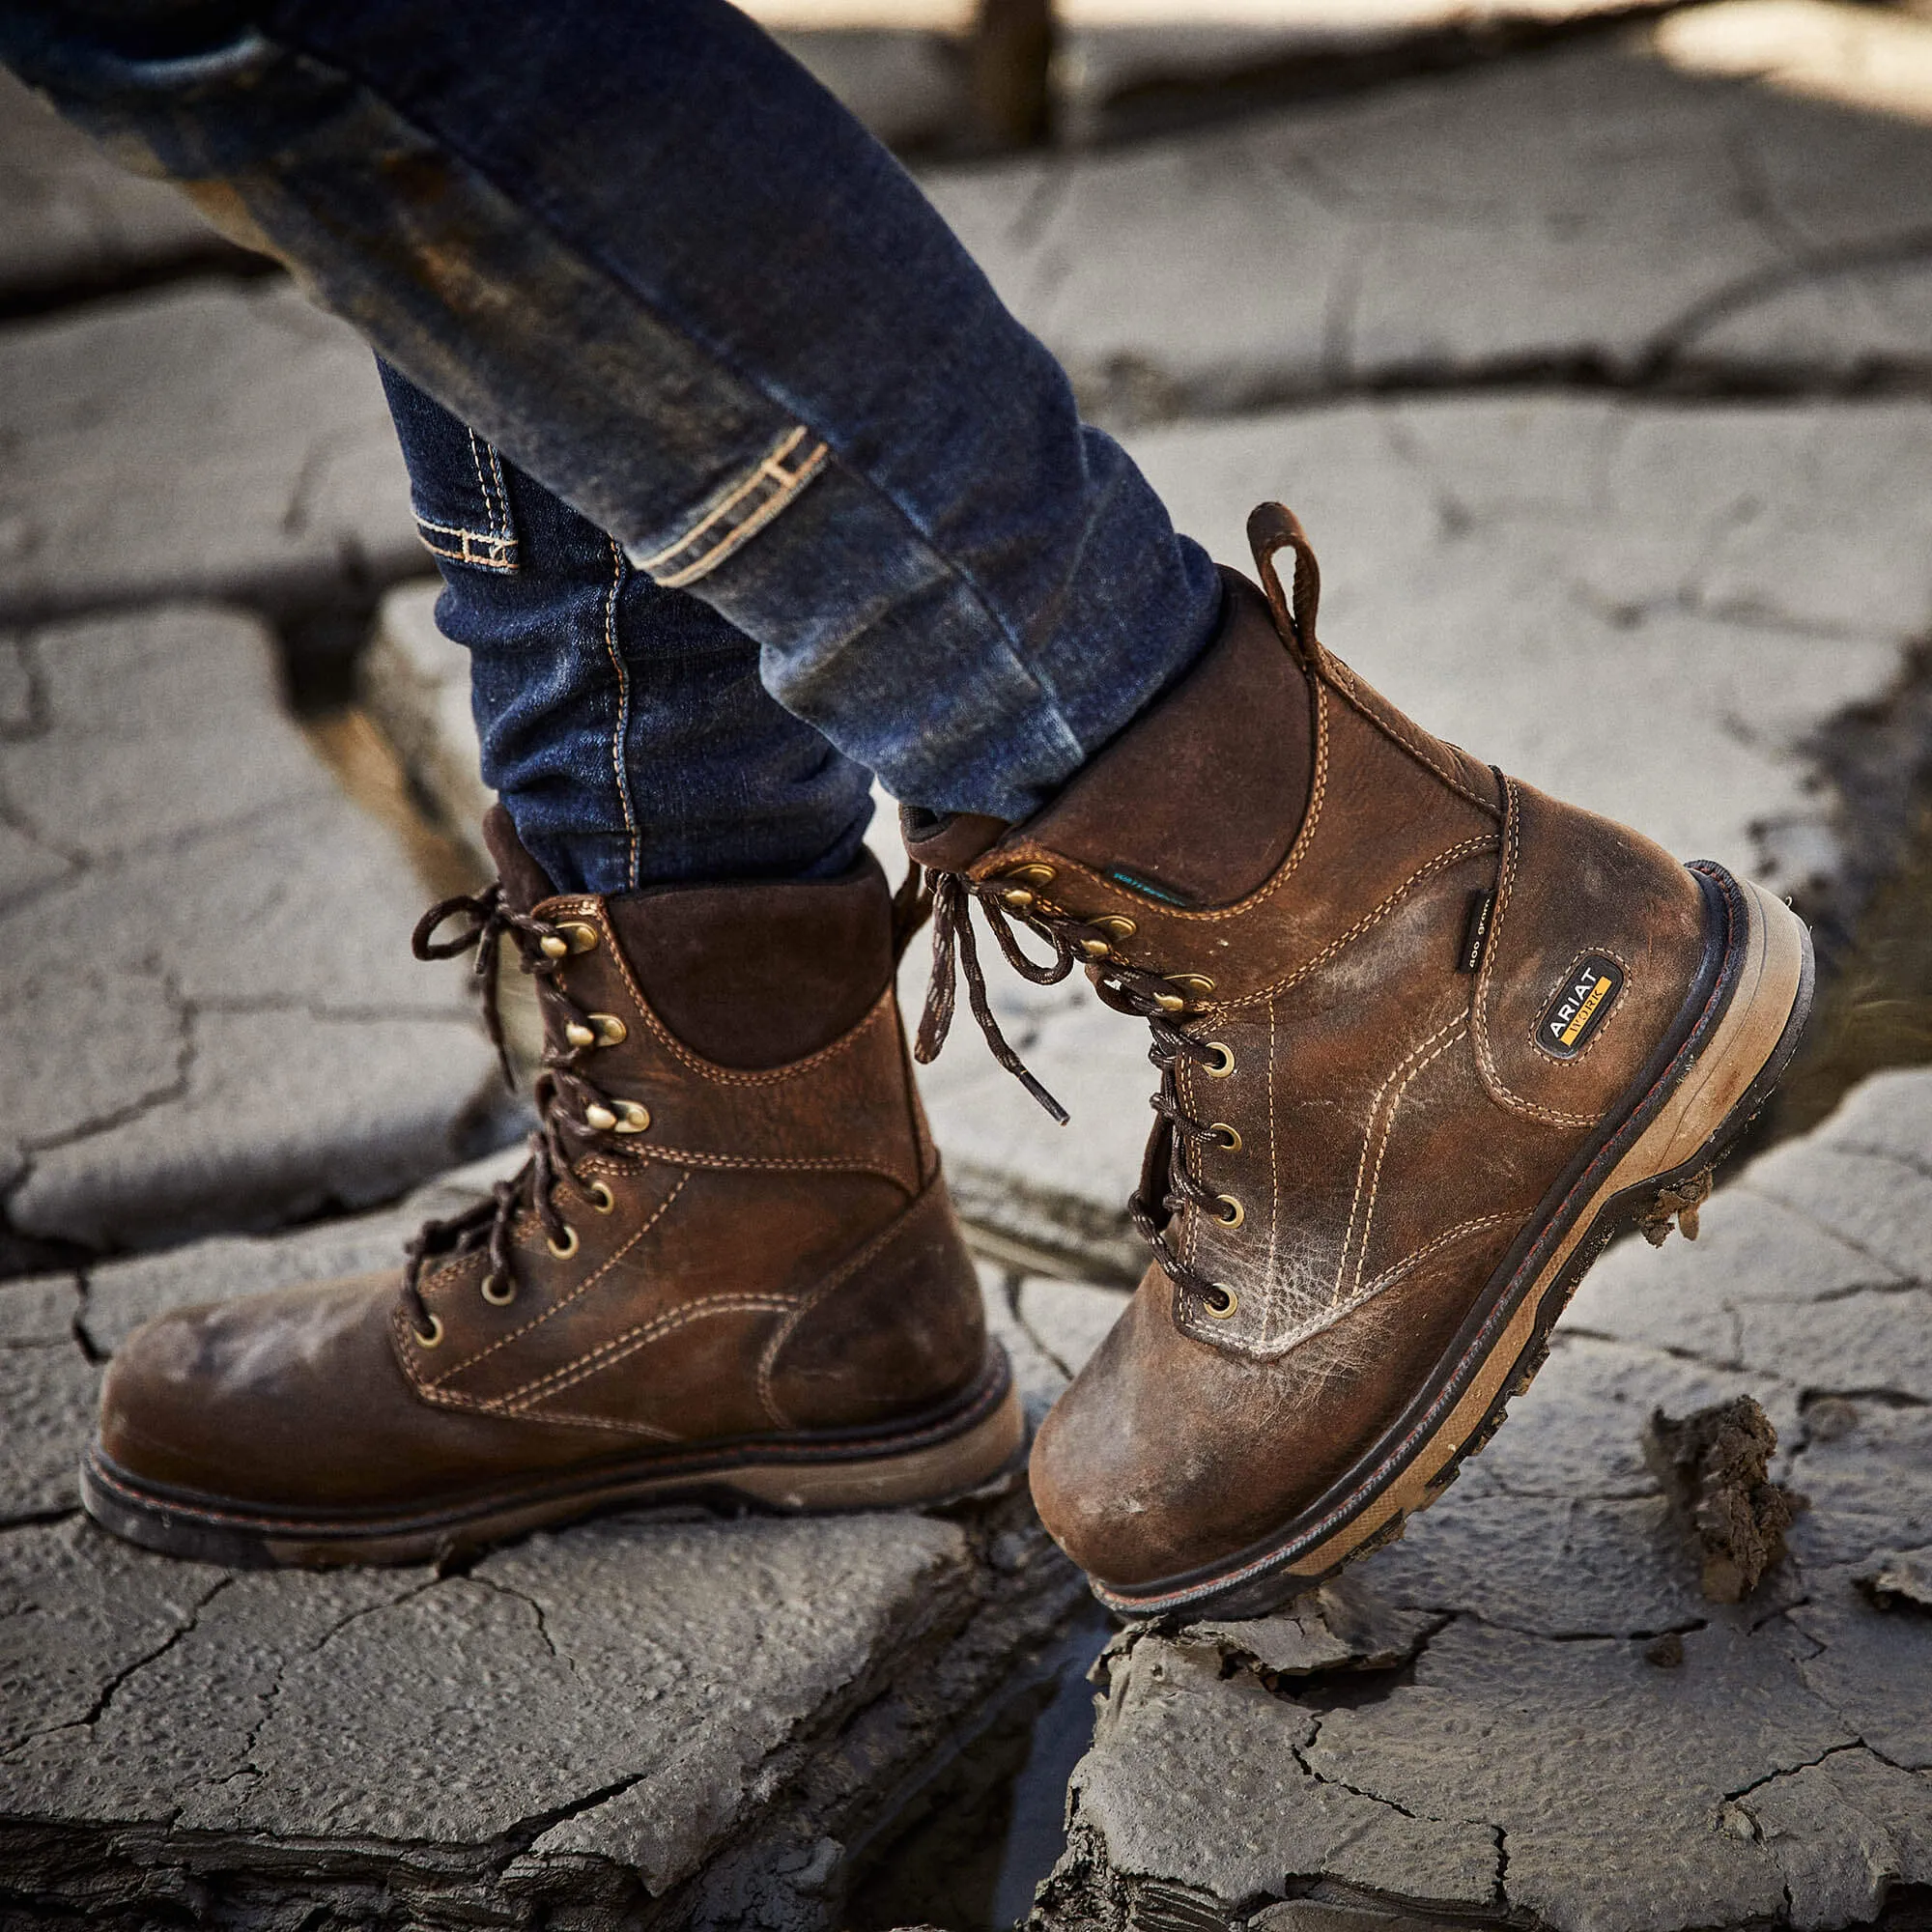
[569, 1246]
[1034, 874]
[600, 1197]
[1097, 949]
[1222, 1065]
[1197, 983]
[1115, 925]
[1223, 1308]
[1170, 1003]
[1017, 896]
[600, 1117]
[633, 1116]
[600, 1030]
[495, 1297]
[1226, 1136]
[434, 1338]
[578, 936]
[1235, 1213]
[554, 946]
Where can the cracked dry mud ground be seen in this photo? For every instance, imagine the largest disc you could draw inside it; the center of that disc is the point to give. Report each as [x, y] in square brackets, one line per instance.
[1691, 445]
[635, 1721]
[211, 1014]
[1481, 1724]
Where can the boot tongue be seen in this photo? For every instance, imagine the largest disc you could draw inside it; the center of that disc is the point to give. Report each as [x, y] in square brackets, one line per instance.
[526, 884]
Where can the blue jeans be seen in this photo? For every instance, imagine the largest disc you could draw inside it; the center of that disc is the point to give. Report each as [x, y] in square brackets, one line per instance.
[658, 267]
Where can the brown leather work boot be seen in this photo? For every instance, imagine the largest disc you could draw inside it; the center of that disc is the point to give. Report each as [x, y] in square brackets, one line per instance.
[728, 1271]
[1428, 1039]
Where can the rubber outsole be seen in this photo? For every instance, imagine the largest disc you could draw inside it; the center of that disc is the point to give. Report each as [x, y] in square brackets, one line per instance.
[979, 1440]
[1652, 1158]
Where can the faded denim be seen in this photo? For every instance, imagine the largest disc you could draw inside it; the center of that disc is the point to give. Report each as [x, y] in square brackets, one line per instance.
[623, 724]
[655, 264]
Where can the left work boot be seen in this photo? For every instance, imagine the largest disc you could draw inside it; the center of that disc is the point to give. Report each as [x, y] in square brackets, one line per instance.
[1428, 1039]
[730, 1272]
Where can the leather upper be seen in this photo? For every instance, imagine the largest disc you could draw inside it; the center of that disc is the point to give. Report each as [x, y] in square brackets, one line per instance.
[774, 1253]
[1398, 1119]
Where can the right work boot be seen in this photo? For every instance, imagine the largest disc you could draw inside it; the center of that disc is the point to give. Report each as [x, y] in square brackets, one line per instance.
[1428, 1039]
[729, 1272]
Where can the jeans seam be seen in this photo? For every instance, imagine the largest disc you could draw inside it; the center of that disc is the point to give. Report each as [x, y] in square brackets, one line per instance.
[492, 504]
[486, 552]
[779, 484]
[620, 738]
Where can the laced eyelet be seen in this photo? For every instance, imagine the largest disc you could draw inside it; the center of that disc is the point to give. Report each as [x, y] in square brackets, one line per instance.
[600, 1197]
[568, 1246]
[499, 1293]
[1097, 949]
[1115, 925]
[1222, 1065]
[432, 1337]
[600, 1030]
[633, 1117]
[1219, 1302]
[1226, 1136]
[1235, 1213]
[571, 936]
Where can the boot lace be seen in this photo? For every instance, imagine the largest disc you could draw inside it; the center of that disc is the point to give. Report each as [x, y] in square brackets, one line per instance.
[1166, 1184]
[574, 1116]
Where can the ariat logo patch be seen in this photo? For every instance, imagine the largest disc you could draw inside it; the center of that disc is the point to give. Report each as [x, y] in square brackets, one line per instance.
[1582, 1006]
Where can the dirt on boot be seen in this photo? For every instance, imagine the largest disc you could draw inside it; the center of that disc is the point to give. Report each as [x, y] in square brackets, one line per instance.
[1715, 1467]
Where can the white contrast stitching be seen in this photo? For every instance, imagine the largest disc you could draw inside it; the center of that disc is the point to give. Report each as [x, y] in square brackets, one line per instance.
[583, 1288]
[631, 1341]
[1411, 1263]
[1409, 1079]
[768, 1361]
[619, 738]
[1404, 1069]
[769, 476]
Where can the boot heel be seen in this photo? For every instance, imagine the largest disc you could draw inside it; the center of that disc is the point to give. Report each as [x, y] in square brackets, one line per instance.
[1758, 1036]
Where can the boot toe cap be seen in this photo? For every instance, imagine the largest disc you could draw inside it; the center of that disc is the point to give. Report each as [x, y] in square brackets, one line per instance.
[248, 1399]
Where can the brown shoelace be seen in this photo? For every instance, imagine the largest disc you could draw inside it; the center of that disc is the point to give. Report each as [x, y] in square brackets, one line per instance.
[1166, 1186]
[563, 1094]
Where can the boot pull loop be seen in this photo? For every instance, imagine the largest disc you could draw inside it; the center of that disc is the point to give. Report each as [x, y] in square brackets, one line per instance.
[1274, 527]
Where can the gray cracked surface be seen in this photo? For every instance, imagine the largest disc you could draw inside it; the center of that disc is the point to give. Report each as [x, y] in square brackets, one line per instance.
[414, 684]
[1630, 218]
[1525, 1746]
[212, 1015]
[213, 439]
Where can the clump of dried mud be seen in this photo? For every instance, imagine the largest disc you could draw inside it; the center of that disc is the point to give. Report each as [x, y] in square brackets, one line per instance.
[1715, 1465]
